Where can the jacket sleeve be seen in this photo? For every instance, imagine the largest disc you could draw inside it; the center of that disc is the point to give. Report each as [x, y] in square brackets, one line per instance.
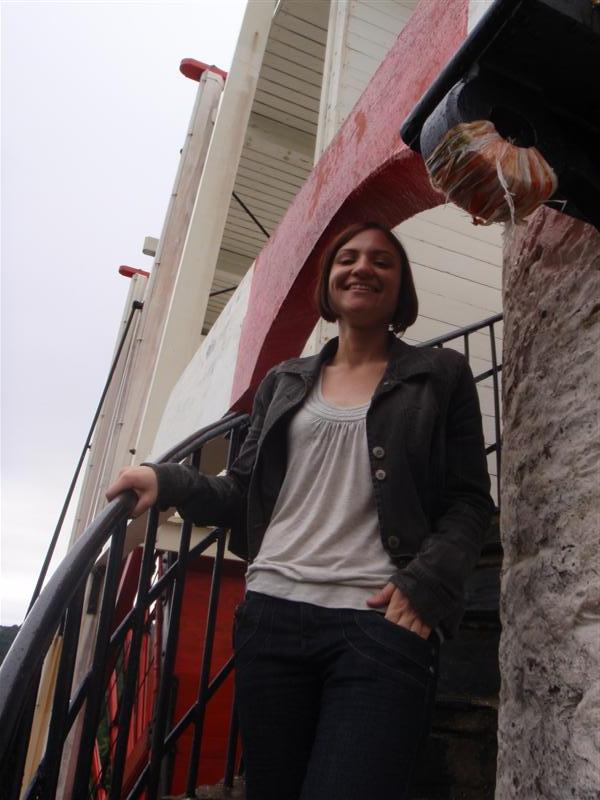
[434, 580]
[215, 500]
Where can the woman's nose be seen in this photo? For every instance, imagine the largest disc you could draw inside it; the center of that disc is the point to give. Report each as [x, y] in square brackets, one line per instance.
[362, 264]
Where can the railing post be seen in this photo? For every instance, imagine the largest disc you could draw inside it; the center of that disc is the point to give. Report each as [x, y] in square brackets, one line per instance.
[46, 779]
[97, 677]
[160, 717]
[497, 428]
[131, 670]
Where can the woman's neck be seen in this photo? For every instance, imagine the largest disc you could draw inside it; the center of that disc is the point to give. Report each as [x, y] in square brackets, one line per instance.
[361, 346]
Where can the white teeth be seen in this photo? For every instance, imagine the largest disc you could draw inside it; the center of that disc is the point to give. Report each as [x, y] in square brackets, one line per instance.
[361, 286]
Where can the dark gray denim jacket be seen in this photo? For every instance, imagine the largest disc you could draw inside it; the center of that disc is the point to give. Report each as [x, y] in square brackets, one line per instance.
[428, 469]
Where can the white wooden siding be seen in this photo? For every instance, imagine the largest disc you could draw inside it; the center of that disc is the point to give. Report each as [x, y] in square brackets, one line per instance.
[456, 265]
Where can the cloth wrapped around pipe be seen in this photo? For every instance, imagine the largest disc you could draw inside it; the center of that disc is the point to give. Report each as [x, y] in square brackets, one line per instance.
[489, 176]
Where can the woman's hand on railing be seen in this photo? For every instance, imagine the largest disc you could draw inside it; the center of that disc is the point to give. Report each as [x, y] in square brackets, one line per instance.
[143, 482]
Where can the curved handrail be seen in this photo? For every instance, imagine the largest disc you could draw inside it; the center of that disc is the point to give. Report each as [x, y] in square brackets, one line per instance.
[29, 648]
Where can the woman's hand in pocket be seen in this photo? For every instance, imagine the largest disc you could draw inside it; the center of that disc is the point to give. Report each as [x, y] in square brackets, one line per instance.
[399, 610]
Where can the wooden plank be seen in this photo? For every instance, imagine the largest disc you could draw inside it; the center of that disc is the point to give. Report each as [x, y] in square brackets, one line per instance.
[268, 219]
[379, 19]
[426, 328]
[446, 216]
[295, 56]
[238, 214]
[296, 40]
[271, 191]
[458, 241]
[233, 262]
[301, 107]
[389, 7]
[287, 119]
[290, 81]
[454, 312]
[278, 141]
[296, 70]
[365, 47]
[460, 264]
[315, 11]
[264, 179]
[487, 300]
[250, 238]
[296, 100]
[302, 26]
[362, 61]
[369, 38]
[261, 204]
[273, 166]
[291, 171]
[236, 247]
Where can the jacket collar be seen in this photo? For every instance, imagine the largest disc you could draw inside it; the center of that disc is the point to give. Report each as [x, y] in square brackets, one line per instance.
[404, 361]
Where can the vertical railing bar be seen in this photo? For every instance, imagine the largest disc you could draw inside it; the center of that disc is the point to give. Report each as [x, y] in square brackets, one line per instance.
[202, 698]
[97, 673]
[160, 717]
[13, 768]
[466, 345]
[58, 728]
[231, 747]
[496, 407]
[129, 687]
[213, 603]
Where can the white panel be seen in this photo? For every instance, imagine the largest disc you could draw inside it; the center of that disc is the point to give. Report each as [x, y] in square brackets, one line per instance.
[202, 393]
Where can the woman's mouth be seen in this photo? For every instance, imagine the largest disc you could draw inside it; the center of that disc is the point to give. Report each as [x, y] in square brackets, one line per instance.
[360, 287]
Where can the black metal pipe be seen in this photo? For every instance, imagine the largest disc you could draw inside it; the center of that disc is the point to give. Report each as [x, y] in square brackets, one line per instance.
[96, 682]
[25, 657]
[58, 728]
[232, 739]
[159, 726]
[13, 764]
[476, 327]
[251, 215]
[131, 671]
[205, 669]
[474, 45]
[496, 407]
[135, 306]
[222, 291]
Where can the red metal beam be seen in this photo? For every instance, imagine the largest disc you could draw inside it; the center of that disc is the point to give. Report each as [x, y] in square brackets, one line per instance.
[367, 172]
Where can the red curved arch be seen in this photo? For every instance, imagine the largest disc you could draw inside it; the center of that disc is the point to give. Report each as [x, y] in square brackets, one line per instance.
[367, 172]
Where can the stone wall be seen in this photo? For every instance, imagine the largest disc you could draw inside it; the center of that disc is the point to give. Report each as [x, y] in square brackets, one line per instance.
[549, 721]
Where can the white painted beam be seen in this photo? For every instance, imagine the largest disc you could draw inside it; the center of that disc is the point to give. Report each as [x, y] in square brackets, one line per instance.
[183, 330]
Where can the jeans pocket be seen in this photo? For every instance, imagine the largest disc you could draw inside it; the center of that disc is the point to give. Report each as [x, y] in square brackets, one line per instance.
[392, 646]
[248, 623]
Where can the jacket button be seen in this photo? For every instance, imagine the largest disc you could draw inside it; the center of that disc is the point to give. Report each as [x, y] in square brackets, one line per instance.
[378, 452]
[393, 542]
[380, 474]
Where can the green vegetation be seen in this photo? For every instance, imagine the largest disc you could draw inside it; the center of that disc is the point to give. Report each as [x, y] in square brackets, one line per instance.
[7, 635]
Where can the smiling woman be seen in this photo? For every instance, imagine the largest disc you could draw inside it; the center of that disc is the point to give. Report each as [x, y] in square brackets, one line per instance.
[359, 500]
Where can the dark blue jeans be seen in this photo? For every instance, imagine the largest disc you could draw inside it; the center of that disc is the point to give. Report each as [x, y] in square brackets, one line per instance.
[333, 703]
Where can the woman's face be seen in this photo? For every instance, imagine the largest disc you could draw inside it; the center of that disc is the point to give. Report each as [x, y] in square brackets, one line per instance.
[364, 281]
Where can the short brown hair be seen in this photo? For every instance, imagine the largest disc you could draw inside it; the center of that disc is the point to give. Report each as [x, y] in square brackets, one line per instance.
[407, 307]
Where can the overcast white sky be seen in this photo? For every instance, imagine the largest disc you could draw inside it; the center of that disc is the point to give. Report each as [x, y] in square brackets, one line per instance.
[94, 113]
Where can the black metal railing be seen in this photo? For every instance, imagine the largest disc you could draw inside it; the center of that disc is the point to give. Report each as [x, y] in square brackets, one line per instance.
[59, 609]
[463, 336]
[137, 305]
[119, 663]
